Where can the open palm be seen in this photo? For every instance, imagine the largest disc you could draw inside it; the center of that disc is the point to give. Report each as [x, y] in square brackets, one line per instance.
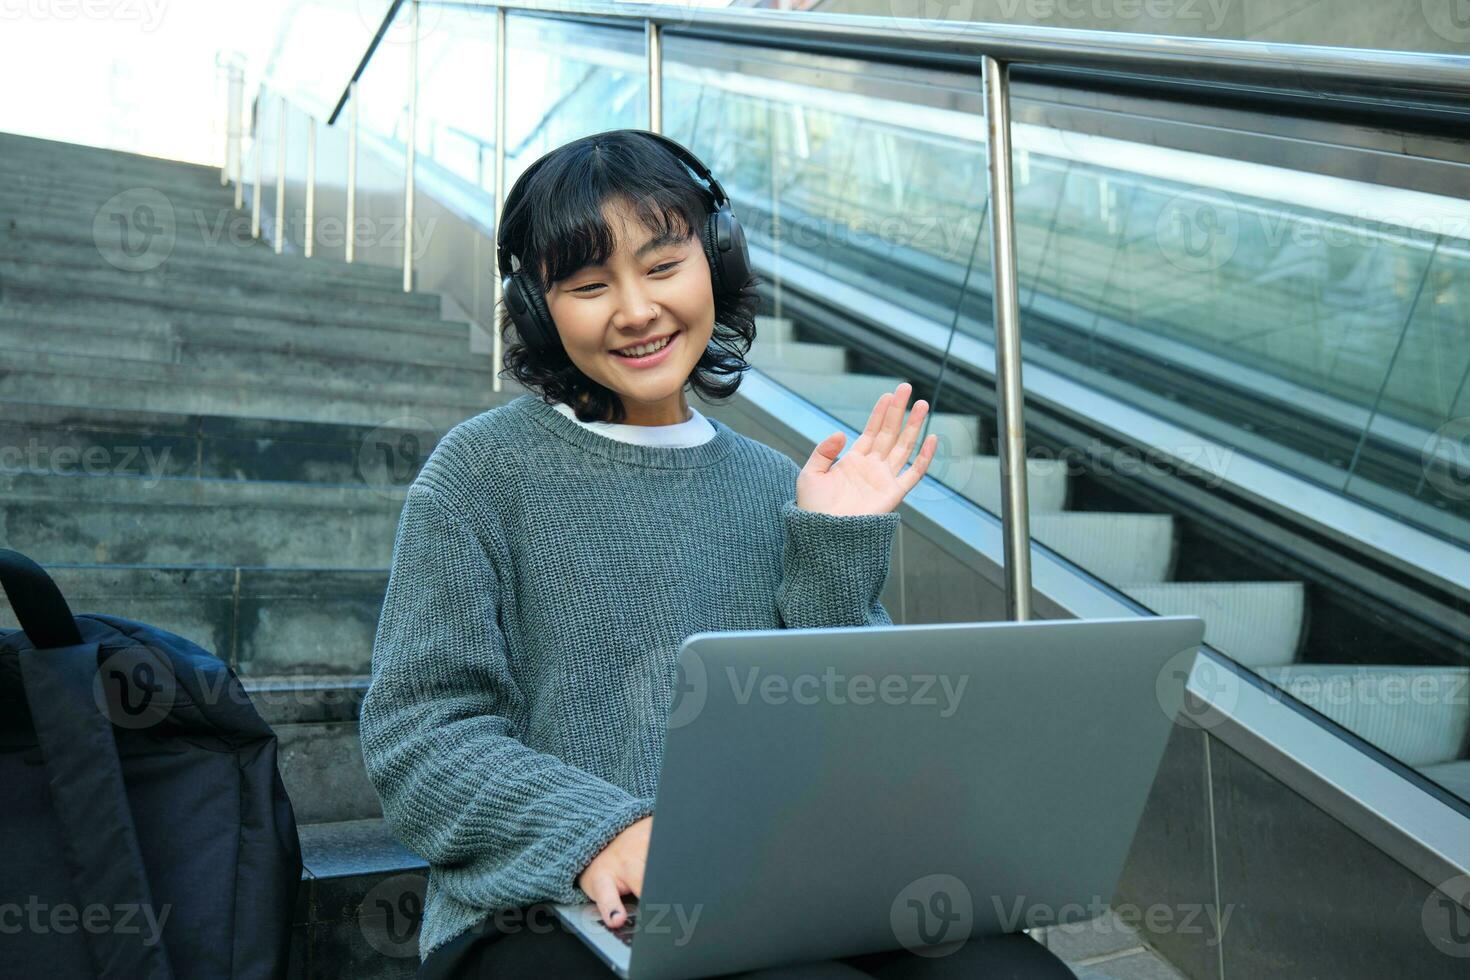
[871, 478]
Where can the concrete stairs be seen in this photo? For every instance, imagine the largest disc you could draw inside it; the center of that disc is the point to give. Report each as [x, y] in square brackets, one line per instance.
[218, 444]
[1258, 624]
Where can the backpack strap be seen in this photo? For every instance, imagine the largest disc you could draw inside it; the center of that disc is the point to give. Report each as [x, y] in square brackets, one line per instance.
[38, 603]
[75, 735]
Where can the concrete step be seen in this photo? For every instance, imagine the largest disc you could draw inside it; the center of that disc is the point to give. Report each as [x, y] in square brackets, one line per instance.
[44, 309]
[1256, 624]
[78, 440]
[33, 262]
[51, 329]
[33, 152]
[67, 290]
[232, 247]
[139, 211]
[1418, 715]
[1135, 548]
[133, 520]
[81, 176]
[320, 755]
[25, 192]
[25, 300]
[281, 360]
[72, 379]
[265, 622]
[283, 271]
[360, 903]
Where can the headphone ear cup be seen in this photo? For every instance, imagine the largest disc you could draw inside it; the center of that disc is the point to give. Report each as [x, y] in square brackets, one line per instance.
[529, 313]
[729, 256]
[712, 251]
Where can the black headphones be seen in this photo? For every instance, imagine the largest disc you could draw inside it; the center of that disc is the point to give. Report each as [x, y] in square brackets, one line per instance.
[724, 248]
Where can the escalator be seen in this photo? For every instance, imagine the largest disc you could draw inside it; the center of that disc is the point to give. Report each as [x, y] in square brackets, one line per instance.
[1314, 361]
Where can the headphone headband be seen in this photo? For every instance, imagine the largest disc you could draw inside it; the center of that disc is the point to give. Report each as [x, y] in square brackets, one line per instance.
[504, 256]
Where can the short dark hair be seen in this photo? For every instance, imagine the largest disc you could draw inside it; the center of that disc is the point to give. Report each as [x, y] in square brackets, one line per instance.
[556, 227]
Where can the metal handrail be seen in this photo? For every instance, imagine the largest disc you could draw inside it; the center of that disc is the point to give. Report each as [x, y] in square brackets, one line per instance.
[1314, 69]
[990, 50]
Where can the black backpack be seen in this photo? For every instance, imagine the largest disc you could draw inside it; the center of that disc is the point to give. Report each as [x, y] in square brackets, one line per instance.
[147, 831]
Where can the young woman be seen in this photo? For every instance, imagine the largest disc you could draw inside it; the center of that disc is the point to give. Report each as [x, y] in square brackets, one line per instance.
[554, 552]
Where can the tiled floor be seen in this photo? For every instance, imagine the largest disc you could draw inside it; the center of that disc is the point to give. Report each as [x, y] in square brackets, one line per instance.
[1105, 948]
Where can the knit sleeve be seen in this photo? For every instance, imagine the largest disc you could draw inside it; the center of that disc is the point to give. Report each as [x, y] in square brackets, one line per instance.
[457, 786]
[834, 568]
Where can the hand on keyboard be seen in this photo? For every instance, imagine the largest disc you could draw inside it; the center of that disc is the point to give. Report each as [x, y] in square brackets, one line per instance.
[624, 932]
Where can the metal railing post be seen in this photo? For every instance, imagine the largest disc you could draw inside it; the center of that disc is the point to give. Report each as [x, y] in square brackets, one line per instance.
[352, 172]
[413, 138]
[654, 50]
[255, 163]
[500, 73]
[1015, 519]
[228, 71]
[237, 132]
[775, 214]
[310, 231]
[280, 229]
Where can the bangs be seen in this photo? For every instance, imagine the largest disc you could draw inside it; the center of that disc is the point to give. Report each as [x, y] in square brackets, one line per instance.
[580, 236]
[561, 224]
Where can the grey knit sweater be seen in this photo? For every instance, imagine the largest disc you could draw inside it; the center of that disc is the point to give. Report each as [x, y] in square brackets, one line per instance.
[543, 578]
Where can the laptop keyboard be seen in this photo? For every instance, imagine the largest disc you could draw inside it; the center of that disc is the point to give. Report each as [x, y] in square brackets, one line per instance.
[624, 932]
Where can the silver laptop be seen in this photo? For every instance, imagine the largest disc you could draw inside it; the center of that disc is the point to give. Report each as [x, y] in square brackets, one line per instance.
[831, 792]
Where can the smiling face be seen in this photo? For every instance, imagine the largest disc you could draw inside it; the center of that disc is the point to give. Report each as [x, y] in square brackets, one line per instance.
[651, 288]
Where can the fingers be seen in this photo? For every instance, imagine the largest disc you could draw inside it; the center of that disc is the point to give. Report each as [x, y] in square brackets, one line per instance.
[825, 453]
[887, 434]
[608, 896]
[875, 422]
[905, 444]
[910, 477]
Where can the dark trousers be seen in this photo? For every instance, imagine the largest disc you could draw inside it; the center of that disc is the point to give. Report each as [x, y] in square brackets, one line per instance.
[539, 946]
